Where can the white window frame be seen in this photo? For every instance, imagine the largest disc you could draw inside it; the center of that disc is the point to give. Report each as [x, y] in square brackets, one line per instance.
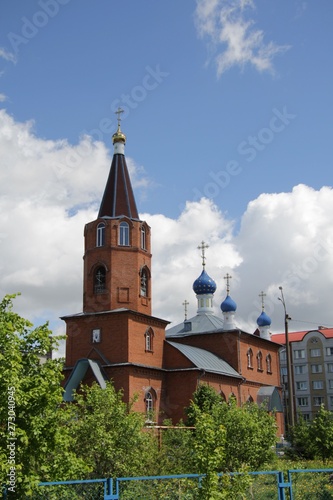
[143, 238]
[299, 353]
[303, 401]
[100, 235]
[249, 356]
[124, 234]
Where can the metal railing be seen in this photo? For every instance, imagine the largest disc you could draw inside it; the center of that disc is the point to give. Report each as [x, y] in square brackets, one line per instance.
[295, 484]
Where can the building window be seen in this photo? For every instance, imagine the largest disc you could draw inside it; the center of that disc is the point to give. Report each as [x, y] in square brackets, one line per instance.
[144, 283]
[302, 386]
[96, 335]
[269, 363]
[330, 383]
[149, 402]
[303, 401]
[331, 400]
[318, 384]
[299, 354]
[259, 361]
[315, 353]
[150, 399]
[249, 355]
[306, 417]
[100, 235]
[299, 369]
[318, 401]
[99, 280]
[123, 234]
[330, 367]
[143, 237]
[329, 351]
[149, 335]
[317, 368]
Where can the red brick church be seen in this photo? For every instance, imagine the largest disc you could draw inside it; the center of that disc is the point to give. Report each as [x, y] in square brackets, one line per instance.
[116, 337]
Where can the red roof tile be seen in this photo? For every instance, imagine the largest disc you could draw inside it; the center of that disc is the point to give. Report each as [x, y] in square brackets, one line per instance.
[279, 338]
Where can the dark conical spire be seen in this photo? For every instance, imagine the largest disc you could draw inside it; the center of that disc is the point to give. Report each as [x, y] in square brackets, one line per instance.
[118, 199]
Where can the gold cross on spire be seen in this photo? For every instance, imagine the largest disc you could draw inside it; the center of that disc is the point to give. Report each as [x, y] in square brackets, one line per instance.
[118, 113]
[227, 277]
[202, 247]
[185, 304]
[262, 295]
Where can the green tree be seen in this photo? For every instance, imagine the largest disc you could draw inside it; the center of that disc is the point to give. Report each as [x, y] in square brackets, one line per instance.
[209, 446]
[321, 434]
[300, 437]
[250, 429]
[34, 443]
[108, 435]
[251, 434]
[176, 455]
[204, 399]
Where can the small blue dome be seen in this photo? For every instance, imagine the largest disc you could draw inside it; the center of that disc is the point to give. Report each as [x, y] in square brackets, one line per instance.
[264, 320]
[228, 305]
[204, 284]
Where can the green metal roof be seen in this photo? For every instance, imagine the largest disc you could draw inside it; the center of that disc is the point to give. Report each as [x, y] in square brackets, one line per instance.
[78, 373]
[205, 360]
[201, 323]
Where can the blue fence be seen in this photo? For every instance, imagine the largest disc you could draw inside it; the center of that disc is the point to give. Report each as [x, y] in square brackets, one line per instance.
[295, 484]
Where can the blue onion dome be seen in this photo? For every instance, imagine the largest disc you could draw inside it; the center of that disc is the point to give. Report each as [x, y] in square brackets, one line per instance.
[228, 305]
[204, 284]
[264, 320]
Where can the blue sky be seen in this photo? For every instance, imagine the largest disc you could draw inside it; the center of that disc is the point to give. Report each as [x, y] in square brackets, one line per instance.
[226, 100]
[71, 71]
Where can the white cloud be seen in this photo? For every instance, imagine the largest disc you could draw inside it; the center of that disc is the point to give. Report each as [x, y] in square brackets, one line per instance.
[50, 189]
[232, 34]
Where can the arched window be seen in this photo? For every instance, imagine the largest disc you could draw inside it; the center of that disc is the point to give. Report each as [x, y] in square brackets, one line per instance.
[149, 336]
[249, 355]
[149, 400]
[123, 234]
[269, 363]
[259, 361]
[144, 283]
[100, 235]
[99, 280]
[143, 237]
[249, 399]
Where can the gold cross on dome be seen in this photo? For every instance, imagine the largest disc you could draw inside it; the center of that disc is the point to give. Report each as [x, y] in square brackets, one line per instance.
[262, 295]
[118, 113]
[185, 304]
[227, 277]
[202, 247]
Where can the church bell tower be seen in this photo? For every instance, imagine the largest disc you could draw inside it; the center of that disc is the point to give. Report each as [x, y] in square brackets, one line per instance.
[117, 256]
